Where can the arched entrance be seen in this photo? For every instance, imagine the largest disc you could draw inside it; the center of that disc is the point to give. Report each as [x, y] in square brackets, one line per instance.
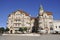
[47, 29]
[11, 31]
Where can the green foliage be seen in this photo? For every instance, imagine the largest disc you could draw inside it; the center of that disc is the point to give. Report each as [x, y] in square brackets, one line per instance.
[7, 29]
[23, 29]
[20, 29]
[2, 29]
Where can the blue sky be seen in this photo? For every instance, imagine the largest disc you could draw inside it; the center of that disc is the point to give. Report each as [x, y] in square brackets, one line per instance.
[30, 6]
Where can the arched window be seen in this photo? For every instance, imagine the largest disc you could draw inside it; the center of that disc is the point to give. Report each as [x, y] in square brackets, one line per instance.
[51, 28]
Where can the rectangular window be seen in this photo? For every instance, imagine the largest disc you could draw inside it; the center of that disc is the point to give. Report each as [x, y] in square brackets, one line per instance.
[15, 24]
[17, 20]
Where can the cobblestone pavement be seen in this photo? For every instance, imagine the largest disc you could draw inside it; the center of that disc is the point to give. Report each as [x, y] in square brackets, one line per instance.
[42, 37]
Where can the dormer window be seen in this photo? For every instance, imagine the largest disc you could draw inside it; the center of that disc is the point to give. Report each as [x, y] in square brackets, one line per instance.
[45, 16]
[50, 17]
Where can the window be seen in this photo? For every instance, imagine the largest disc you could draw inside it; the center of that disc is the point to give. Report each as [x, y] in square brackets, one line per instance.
[27, 23]
[17, 20]
[50, 17]
[11, 21]
[59, 26]
[40, 28]
[40, 22]
[18, 15]
[45, 16]
[17, 24]
[51, 28]
[16, 28]
[56, 26]
[50, 23]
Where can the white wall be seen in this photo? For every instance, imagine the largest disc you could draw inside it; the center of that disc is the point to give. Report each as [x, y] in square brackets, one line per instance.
[56, 25]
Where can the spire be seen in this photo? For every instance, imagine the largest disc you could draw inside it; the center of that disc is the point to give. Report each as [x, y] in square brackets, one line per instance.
[41, 10]
[41, 7]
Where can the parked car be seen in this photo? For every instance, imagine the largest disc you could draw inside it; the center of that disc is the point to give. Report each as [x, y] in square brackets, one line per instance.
[55, 31]
[18, 32]
[52, 31]
[42, 31]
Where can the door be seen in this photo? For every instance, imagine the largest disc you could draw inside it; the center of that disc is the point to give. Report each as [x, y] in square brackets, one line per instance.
[11, 31]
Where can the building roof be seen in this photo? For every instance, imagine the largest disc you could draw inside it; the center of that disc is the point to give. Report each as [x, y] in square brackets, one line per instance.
[33, 18]
[9, 15]
[49, 13]
[21, 12]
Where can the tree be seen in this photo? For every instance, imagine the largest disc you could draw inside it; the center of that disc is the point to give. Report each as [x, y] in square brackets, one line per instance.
[25, 28]
[22, 29]
[7, 29]
[2, 30]
[35, 28]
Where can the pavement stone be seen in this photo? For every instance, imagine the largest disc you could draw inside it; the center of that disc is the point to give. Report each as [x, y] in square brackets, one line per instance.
[42, 37]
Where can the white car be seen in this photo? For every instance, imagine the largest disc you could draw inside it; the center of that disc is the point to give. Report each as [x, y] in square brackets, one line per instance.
[42, 31]
[54, 31]
[57, 31]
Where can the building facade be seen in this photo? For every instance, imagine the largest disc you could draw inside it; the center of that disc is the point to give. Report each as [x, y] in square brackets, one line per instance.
[44, 21]
[19, 19]
[57, 26]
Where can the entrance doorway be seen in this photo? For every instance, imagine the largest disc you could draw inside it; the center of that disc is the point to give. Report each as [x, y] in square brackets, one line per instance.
[11, 31]
[47, 29]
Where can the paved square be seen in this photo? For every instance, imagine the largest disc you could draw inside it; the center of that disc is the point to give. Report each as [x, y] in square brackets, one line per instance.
[42, 37]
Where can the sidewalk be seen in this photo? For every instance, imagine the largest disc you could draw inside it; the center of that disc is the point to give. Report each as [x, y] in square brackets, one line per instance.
[32, 34]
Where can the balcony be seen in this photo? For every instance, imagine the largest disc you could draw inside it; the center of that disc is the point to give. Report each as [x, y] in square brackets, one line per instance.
[17, 22]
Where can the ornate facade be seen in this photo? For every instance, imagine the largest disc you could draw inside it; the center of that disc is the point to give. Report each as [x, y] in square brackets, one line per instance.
[44, 21]
[19, 19]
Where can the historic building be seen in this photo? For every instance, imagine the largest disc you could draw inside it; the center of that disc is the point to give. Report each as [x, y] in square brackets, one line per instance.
[44, 21]
[19, 19]
[56, 26]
